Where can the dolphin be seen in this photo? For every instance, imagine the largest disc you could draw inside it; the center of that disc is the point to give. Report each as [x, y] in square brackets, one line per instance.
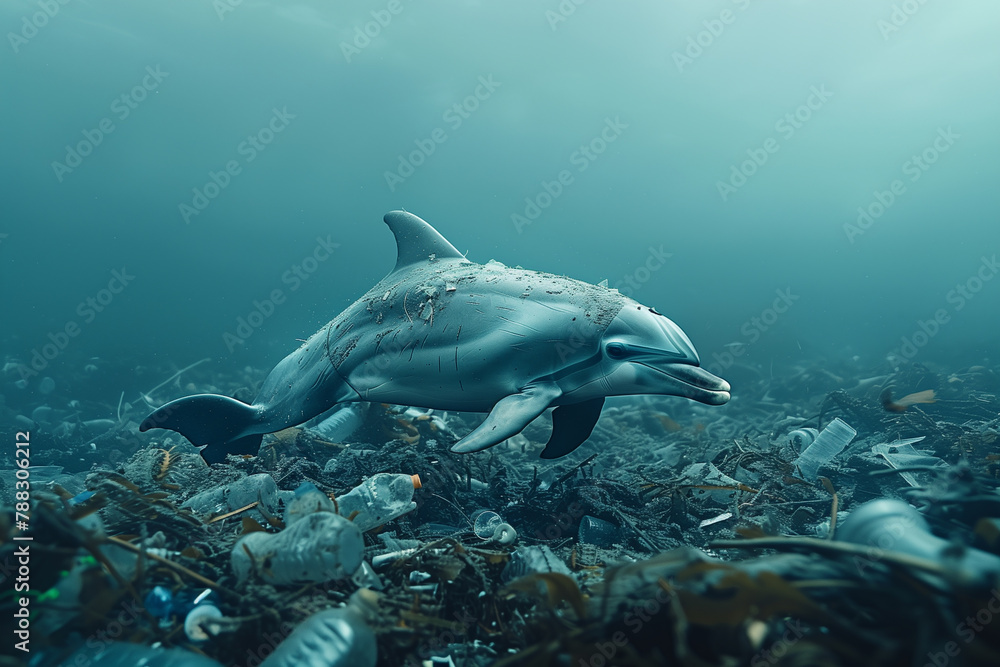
[442, 332]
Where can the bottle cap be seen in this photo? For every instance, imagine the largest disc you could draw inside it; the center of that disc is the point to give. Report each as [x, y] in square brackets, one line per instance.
[416, 481]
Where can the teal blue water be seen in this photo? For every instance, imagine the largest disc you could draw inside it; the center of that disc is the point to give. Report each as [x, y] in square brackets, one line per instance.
[788, 181]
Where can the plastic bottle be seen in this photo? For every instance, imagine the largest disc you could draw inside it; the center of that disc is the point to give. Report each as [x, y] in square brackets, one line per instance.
[317, 547]
[342, 422]
[830, 442]
[338, 637]
[892, 525]
[236, 495]
[379, 499]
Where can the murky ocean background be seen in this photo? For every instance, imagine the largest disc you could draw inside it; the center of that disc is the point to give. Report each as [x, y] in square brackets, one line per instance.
[788, 181]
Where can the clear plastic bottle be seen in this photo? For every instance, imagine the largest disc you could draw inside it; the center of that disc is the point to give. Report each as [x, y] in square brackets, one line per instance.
[317, 547]
[379, 499]
[338, 637]
[830, 442]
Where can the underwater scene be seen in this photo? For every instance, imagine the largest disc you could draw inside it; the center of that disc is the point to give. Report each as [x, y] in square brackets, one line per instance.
[381, 333]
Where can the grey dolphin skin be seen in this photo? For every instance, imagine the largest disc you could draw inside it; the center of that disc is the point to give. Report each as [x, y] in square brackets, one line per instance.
[442, 332]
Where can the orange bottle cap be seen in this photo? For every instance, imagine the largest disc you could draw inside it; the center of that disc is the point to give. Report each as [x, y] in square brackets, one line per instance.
[416, 481]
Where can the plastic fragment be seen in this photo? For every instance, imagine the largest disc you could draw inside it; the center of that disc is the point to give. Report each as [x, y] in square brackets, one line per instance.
[716, 519]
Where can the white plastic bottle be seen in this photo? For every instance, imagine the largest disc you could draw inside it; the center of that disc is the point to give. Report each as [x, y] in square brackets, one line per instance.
[379, 499]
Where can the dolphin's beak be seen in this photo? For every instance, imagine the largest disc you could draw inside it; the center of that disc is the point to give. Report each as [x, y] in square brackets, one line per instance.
[693, 382]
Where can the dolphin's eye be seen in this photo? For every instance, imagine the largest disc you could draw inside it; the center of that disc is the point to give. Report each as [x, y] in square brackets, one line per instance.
[616, 350]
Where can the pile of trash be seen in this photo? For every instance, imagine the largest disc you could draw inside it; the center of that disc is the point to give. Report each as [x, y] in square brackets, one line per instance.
[825, 521]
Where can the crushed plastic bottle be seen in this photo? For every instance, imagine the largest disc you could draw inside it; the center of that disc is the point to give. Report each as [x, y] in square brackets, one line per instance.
[317, 547]
[830, 442]
[338, 637]
[239, 494]
[380, 498]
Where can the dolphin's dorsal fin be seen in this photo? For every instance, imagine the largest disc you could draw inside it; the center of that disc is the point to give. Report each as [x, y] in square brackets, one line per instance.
[417, 241]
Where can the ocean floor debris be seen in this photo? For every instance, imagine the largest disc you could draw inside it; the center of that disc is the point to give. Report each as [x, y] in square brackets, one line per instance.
[675, 535]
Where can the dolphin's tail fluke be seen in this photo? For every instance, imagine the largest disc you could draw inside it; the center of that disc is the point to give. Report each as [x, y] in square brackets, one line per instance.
[222, 423]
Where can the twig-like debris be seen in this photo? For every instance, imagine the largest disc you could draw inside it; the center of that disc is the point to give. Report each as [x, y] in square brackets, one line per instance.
[573, 470]
[169, 563]
[173, 377]
[828, 485]
[635, 529]
[233, 513]
[834, 548]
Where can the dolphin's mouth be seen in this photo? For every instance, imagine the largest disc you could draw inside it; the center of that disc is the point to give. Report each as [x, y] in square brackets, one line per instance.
[696, 383]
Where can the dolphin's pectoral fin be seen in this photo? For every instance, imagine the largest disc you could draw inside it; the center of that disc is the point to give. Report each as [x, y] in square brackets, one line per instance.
[509, 417]
[571, 426]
